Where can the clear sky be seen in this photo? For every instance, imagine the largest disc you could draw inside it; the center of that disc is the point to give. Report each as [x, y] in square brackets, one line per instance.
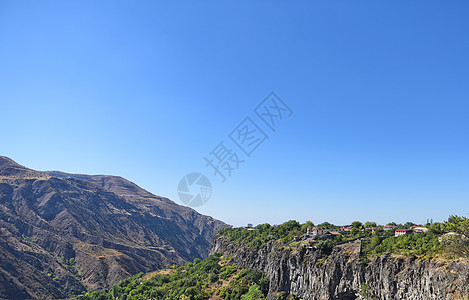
[143, 89]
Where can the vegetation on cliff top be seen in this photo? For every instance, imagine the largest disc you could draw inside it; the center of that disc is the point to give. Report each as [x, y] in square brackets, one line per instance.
[263, 233]
[435, 242]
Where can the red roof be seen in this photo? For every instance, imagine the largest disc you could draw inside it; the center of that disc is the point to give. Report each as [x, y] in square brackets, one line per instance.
[403, 230]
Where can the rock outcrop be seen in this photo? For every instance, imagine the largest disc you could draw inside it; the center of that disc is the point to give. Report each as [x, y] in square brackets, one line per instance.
[310, 274]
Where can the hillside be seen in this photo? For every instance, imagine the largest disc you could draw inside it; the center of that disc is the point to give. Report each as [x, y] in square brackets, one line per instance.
[63, 234]
[211, 278]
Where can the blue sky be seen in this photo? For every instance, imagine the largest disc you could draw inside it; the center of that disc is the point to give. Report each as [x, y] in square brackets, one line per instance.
[145, 90]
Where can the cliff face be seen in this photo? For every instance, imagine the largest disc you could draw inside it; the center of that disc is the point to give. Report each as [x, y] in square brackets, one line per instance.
[309, 274]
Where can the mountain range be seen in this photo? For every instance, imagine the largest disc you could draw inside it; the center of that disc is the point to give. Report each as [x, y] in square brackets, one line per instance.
[62, 234]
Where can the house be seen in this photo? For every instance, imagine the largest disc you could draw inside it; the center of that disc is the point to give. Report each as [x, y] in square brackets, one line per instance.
[347, 228]
[419, 229]
[400, 232]
[374, 229]
[389, 227]
[334, 233]
[316, 231]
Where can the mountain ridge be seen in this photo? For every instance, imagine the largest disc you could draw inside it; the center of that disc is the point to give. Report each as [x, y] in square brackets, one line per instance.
[88, 231]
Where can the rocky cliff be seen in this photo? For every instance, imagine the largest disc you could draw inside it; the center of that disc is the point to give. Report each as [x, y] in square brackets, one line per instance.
[311, 274]
[61, 234]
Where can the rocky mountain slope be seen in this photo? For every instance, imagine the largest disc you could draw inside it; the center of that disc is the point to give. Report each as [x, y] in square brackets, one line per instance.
[61, 234]
[309, 274]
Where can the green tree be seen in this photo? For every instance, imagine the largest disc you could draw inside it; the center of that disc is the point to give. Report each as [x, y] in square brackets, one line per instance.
[436, 228]
[375, 241]
[325, 245]
[254, 293]
[408, 225]
[305, 226]
[370, 224]
[355, 231]
[357, 224]
[459, 244]
[326, 225]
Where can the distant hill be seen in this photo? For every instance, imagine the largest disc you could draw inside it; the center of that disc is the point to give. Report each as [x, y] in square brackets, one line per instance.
[61, 234]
